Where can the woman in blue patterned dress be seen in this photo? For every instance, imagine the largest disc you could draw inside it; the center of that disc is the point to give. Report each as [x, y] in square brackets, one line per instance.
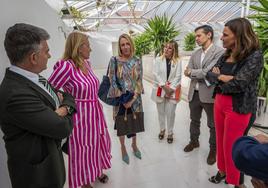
[129, 75]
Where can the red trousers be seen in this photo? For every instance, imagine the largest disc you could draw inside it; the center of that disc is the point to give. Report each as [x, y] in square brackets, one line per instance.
[229, 126]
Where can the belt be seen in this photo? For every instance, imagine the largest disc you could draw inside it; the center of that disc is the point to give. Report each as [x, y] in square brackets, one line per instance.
[86, 100]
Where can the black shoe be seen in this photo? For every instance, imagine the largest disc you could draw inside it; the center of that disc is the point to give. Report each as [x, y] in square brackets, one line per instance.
[217, 178]
[211, 159]
[161, 135]
[191, 146]
[170, 138]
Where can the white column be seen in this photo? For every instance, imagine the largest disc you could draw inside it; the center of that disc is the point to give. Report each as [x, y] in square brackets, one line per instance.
[243, 8]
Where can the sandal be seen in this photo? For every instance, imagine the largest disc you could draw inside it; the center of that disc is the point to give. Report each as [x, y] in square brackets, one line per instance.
[161, 134]
[217, 178]
[103, 178]
[170, 139]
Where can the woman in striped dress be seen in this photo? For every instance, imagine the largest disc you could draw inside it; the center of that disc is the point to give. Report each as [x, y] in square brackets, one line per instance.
[89, 146]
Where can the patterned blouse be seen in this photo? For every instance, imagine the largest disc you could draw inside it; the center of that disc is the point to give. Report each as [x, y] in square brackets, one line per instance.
[129, 76]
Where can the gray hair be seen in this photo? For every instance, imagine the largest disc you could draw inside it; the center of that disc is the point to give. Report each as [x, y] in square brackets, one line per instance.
[22, 39]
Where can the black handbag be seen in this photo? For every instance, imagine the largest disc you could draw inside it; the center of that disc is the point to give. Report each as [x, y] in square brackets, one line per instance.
[105, 86]
[131, 123]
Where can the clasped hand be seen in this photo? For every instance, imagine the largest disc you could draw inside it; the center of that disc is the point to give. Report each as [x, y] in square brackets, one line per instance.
[222, 77]
[168, 90]
[61, 111]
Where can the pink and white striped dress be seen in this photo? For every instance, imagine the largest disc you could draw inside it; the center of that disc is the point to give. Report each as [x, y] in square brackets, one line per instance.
[90, 143]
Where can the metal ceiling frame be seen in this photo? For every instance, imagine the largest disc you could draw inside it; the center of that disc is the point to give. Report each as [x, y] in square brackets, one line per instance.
[213, 6]
[192, 13]
[218, 11]
[197, 12]
[111, 13]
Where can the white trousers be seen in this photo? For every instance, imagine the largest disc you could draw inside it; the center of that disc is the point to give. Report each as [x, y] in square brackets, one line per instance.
[166, 115]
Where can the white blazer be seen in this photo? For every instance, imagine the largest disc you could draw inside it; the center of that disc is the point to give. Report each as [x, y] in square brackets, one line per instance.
[160, 76]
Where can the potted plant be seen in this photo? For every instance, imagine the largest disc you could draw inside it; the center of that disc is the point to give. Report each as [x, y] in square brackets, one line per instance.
[161, 29]
[189, 42]
[261, 28]
[143, 44]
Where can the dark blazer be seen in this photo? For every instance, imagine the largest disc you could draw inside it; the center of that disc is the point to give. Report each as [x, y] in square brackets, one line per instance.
[32, 133]
[251, 157]
[243, 87]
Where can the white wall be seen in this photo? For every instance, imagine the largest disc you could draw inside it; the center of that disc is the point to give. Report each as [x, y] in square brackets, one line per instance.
[101, 52]
[38, 13]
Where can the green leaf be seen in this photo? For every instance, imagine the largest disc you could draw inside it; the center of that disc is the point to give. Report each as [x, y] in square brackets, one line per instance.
[189, 42]
[163, 29]
[258, 8]
[264, 3]
[261, 27]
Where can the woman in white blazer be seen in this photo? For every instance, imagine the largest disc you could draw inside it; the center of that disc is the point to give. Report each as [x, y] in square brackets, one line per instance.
[167, 78]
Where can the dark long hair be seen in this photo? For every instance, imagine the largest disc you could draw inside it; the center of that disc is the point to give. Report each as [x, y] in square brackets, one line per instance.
[246, 40]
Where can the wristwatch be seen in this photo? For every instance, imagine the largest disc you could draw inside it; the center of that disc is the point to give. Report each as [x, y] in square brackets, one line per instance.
[69, 109]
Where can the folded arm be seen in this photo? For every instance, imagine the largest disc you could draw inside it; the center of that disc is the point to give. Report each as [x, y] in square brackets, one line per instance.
[30, 113]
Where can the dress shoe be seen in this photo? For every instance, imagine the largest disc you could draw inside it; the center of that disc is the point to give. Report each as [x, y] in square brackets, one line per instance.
[125, 158]
[170, 139]
[217, 178]
[191, 146]
[137, 154]
[211, 157]
[161, 135]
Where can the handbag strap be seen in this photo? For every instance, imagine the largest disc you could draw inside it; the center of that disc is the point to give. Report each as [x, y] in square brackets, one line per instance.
[115, 72]
[133, 113]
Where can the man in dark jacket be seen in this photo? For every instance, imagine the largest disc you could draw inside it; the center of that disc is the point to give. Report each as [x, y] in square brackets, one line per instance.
[250, 155]
[34, 117]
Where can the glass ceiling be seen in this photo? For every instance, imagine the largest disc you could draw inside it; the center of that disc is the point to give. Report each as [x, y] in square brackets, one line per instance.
[109, 15]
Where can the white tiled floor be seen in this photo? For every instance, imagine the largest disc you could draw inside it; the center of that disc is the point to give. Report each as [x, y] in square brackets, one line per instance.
[163, 165]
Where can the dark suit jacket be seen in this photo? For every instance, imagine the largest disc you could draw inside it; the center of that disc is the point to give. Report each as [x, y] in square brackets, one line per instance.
[251, 157]
[32, 133]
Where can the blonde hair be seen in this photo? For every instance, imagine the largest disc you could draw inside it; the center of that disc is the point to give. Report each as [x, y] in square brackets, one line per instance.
[175, 53]
[72, 44]
[129, 39]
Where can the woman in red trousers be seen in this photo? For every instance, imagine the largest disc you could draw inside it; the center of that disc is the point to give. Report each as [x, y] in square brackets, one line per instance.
[236, 77]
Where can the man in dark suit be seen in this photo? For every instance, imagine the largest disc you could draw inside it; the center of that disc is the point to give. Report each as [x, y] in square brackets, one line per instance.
[250, 155]
[200, 91]
[34, 117]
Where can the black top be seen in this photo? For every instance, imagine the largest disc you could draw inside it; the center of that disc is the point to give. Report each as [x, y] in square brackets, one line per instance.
[243, 87]
[168, 67]
[226, 69]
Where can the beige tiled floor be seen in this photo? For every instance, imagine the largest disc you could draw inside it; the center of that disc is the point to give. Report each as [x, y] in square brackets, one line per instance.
[163, 165]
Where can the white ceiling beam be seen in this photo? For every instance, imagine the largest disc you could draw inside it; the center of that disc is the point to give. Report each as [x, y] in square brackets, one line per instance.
[106, 18]
[153, 8]
[112, 12]
[197, 12]
[220, 9]
[189, 10]
[228, 11]
[208, 12]
[243, 8]
[178, 9]
[247, 7]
